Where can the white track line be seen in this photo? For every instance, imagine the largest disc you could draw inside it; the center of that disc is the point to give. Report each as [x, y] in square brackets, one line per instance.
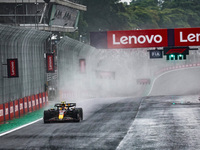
[20, 127]
[166, 73]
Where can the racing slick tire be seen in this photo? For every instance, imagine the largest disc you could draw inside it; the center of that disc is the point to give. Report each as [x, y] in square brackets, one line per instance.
[80, 112]
[76, 116]
[46, 116]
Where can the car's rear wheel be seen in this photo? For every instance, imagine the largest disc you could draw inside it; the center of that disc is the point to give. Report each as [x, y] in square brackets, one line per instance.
[80, 110]
[76, 116]
[46, 116]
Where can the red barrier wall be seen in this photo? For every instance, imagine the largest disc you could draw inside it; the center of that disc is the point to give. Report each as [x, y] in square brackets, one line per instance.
[21, 107]
[37, 102]
[1, 113]
[11, 112]
[25, 105]
[33, 102]
[40, 100]
[44, 98]
[6, 111]
[16, 108]
[29, 104]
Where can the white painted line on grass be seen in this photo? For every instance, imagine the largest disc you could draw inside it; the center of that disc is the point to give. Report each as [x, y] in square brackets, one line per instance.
[20, 127]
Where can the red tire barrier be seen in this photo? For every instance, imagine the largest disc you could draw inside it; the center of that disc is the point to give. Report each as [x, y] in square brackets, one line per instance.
[25, 105]
[21, 107]
[1, 113]
[16, 108]
[6, 108]
[33, 102]
[37, 102]
[40, 100]
[44, 99]
[11, 112]
[29, 104]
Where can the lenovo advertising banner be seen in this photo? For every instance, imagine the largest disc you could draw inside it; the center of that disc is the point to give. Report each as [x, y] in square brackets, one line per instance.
[50, 63]
[145, 38]
[187, 37]
[12, 68]
[137, 38]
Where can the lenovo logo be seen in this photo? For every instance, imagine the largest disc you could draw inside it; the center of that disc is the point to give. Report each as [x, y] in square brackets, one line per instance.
[187, 37]
[12, 65]
[50, 63]
[136, 38]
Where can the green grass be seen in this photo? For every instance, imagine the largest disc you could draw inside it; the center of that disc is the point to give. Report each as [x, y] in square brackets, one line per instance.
[30, 117]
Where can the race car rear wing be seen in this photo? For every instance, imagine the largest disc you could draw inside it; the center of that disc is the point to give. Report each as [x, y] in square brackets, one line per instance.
[66, 105]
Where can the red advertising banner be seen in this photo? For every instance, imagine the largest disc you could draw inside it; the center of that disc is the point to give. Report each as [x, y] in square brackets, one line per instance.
[137, 38]
[44, 98]
[50, 63]
[25, 105]
[1, 113]
[16, 108]
[187, 36]
[12, 68]
[33, 102]
[37, 102]
[40, 100]
[145, 38]
[21, 107]
[6, 111]
[82, 65]
[11, 111]
[29, 104]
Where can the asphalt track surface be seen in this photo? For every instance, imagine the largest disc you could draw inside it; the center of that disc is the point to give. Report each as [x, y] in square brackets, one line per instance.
[162, 122]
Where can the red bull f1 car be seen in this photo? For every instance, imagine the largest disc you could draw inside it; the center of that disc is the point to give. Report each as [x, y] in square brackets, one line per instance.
[63, 112]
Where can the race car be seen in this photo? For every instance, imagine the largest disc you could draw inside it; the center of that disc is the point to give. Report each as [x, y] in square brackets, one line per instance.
[63, 112]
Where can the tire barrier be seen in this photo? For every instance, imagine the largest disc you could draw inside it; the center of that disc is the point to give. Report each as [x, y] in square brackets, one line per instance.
[21, 107]
[1, 113]
[33, 102]
[11, 112]
[18, 108]
[29, 104]
[6, 110]
[25, 105]
[36, 102]
[40, 100]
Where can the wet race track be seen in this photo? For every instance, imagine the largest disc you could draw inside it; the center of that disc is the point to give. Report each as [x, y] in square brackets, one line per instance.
[166, 122]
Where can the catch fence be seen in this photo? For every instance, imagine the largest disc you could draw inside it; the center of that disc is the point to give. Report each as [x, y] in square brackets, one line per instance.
[28, 47]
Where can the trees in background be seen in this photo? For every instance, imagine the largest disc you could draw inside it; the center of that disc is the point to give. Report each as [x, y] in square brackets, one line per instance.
[104, 15]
